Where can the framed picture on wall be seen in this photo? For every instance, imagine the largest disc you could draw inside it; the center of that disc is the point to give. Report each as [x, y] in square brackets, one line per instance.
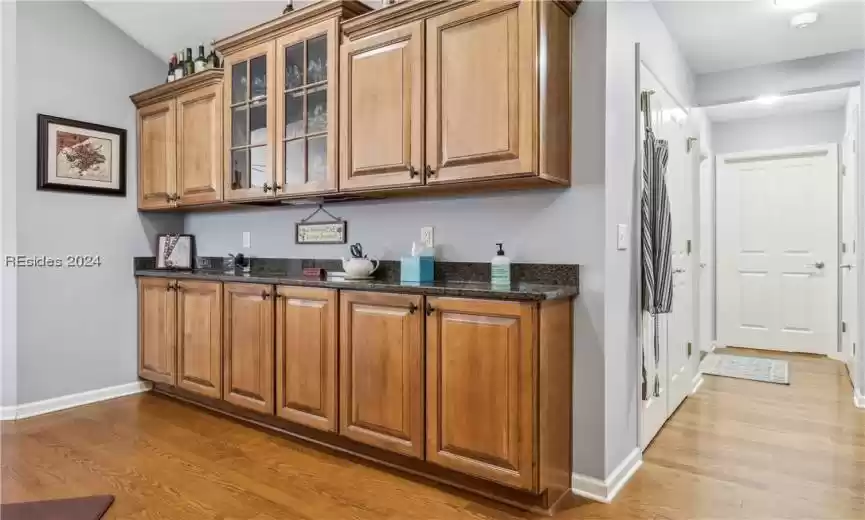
[175, 251]
[80, 156]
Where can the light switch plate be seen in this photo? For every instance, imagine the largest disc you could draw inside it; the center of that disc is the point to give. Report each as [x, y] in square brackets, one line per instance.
[426, 236]
[246, 240]
[622, 238]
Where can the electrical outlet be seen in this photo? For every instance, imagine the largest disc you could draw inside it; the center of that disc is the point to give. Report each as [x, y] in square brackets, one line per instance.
[246, 240]
[426, 236]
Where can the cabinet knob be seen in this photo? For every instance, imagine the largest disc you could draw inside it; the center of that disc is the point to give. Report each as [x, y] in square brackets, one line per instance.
[412, 172]
[264, 295]
[412, 308]
[429, 171]
[429, 309]
[266, 187]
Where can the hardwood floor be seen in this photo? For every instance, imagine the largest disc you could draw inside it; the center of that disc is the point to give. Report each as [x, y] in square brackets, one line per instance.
[737, 450]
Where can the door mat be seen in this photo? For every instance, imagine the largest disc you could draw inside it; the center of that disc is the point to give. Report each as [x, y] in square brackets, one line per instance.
[84, 508]
[743, 367]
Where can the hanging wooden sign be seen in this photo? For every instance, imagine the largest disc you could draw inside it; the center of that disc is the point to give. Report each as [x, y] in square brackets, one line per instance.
[333, 231]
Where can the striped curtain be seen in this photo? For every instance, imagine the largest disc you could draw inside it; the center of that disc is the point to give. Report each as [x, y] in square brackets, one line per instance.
[656, 231]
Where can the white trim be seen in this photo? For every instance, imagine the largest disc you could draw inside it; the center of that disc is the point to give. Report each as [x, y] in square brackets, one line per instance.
[858, 399]
[606, 490]
[22, 411]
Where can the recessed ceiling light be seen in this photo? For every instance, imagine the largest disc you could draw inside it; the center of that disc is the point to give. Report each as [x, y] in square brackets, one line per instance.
[802, 20]
[768, 99]
[795, 4]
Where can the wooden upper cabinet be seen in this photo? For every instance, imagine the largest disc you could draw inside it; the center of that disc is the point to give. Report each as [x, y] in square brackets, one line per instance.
[306, 356]
[481, 88]
[199, 145]
[306, 115]
[481, 389]
[250, 116]
[199, 337]
[157, 162]
[248, 346]
[381, 379]
[156, 330]
[381, 109]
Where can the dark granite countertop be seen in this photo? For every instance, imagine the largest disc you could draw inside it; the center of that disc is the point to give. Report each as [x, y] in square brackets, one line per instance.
[522, 291]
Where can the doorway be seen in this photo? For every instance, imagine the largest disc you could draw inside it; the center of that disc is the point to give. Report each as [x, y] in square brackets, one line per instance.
[850, 218]
[777, 239]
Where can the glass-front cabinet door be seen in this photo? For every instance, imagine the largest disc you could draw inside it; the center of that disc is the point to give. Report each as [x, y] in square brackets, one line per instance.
[249, 123]
[306, 110]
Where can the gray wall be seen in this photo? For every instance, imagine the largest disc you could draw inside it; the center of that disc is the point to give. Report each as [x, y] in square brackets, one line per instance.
[8, 282]
[766, 133]
[776, 78]
[77, 327]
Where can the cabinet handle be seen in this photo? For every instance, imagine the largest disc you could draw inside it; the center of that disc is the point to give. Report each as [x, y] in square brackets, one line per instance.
[266, 187]
[264, 295]
[412, 172]
[429, 309]
[277, 187]
[429, 171]
[412, 308]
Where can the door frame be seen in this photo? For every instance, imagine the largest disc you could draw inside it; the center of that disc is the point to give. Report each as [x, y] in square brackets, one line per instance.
[830, 149]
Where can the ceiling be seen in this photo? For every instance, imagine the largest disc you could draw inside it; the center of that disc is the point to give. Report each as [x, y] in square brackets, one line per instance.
[721, 35]
[166, 27]
[786, 105]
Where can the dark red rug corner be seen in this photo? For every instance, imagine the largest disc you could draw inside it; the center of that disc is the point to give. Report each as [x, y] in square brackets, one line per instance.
[84, 508]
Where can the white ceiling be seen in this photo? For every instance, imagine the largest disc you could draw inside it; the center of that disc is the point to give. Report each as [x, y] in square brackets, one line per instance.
[166, 27]
[786, 105]
[721, 35]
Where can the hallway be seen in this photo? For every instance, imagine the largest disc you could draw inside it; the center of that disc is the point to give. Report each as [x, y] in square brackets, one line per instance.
[736, 450]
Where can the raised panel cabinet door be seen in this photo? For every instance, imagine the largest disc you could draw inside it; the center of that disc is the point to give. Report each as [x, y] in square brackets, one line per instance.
[381, 110]
[249, 122]
[157, 147]
[156, 330]
[248, 346]
[480, 398]
[381, 377]
[306, 338]
[306, 110]
[481, 87]
[199, 145]
[199, 337]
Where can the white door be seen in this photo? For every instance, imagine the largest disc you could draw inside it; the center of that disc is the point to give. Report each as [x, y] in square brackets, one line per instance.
[777, 249]
[674, 372]
[707, 285]
[849, 225]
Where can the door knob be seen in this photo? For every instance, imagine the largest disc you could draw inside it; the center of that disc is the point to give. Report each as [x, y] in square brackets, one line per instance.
[846, 266]
[816, 265]
[678, 271]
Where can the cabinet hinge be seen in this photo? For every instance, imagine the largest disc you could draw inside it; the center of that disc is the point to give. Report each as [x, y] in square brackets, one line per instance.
[688, 247]
[690, 347]
[843, 326]
[843, 247]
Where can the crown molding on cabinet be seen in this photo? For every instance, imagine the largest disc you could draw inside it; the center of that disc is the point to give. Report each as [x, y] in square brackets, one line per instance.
[175, 88]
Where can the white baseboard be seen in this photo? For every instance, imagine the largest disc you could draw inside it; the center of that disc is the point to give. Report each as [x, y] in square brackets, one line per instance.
[606, 490]
[858, 399]
[22, 411]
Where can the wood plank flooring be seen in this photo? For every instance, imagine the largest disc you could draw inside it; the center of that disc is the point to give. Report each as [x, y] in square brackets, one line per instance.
[736, 450]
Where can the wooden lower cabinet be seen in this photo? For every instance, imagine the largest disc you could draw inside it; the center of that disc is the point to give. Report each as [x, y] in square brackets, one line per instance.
[306, 356]
[157, 326]
[248, 346]
[481, 380]
[199, 337]
[381, 371]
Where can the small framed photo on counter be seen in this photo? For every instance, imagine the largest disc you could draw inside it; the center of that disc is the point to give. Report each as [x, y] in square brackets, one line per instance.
[175, 251]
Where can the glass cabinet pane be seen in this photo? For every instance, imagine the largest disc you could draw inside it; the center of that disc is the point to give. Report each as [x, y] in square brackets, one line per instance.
[238, 83]
[294, 66]
[258, 172]
[258, 123]
[316, 110]
[258, 72]
[239, 135]
[317, 159]
[316, 63]
[239, 170]
[294, 162]
[293, 115]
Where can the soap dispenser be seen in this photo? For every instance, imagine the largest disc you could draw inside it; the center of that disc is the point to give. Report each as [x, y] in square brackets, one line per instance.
[501, 268]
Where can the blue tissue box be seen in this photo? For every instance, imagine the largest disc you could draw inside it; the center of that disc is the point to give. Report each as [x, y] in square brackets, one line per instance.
[417, 269]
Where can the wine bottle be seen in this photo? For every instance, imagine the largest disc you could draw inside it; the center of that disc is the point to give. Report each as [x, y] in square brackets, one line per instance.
[171, 62]
[178, 66]
[212, 59]
[200, 61]
[188, 63]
